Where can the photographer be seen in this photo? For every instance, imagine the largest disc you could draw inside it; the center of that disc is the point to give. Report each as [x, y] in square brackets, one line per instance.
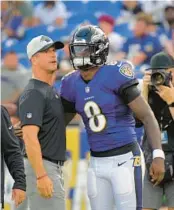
[158, 89]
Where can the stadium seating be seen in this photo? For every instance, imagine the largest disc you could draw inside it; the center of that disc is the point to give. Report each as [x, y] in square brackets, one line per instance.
[124, 30]
[75, 7]
[80, 12]
[104, 7]
[84, 11]
[82, 18]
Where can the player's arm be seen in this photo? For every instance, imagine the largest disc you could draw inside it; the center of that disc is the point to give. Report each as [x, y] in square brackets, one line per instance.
[31, 109]
[144, 113]
[131, 95]
[69, 110]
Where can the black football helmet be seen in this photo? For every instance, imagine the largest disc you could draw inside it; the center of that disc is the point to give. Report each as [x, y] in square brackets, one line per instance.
[88, 47]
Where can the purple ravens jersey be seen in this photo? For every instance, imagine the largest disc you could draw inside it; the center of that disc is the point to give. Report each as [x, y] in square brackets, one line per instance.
[108, 120]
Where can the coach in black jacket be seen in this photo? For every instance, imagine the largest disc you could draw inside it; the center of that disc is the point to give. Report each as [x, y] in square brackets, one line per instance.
[11, 153]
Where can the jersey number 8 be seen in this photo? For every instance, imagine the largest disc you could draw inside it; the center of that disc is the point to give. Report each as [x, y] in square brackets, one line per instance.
[97, 120]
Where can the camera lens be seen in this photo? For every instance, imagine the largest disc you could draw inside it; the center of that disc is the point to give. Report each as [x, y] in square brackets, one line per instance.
[158, 78]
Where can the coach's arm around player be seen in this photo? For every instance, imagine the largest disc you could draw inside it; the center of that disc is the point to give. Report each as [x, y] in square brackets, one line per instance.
[11, 153]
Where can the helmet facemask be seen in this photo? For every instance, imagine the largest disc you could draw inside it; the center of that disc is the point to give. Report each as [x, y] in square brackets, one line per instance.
[80, 56]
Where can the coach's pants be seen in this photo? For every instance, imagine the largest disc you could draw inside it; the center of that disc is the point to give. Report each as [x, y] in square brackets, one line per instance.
[34, 201]
[116, 182]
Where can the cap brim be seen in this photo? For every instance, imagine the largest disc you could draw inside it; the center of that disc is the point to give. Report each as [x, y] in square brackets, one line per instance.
[158, 68]
[152, 68]
[58, 45]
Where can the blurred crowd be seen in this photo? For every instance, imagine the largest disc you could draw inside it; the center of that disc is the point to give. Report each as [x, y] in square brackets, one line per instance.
[136, 31]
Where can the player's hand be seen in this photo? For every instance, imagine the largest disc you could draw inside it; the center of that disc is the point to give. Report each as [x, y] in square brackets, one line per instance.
[45, 187]
[166, 93]
[147, 78]
[157, 170]
[18, 130]
[18, 196]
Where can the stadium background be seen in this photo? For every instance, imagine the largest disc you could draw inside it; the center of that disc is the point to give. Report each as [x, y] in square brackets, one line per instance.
[20, 23]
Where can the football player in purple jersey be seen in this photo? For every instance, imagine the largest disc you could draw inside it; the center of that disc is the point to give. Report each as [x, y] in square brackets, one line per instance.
[106, 96]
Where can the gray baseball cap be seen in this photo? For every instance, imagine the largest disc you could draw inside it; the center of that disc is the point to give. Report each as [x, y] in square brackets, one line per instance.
[41, 43]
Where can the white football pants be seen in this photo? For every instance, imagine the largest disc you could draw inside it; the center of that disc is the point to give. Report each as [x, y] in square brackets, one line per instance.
[115, 183]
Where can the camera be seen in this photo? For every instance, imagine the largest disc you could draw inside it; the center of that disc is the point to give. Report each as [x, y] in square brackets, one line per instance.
[160, 77]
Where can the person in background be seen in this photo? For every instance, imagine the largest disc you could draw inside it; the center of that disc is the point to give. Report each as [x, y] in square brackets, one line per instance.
[57, 13]
[11, 21]
[160, 96]
[168, 23]
[14, 78]
[107, 24]
[26, 10]
[139, 48]
[11, 154]
[129, 11]
[159, 34]
[155, 8]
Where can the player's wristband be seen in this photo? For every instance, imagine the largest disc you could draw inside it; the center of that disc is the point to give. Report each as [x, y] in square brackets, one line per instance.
[40, 177]
[158, 153]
